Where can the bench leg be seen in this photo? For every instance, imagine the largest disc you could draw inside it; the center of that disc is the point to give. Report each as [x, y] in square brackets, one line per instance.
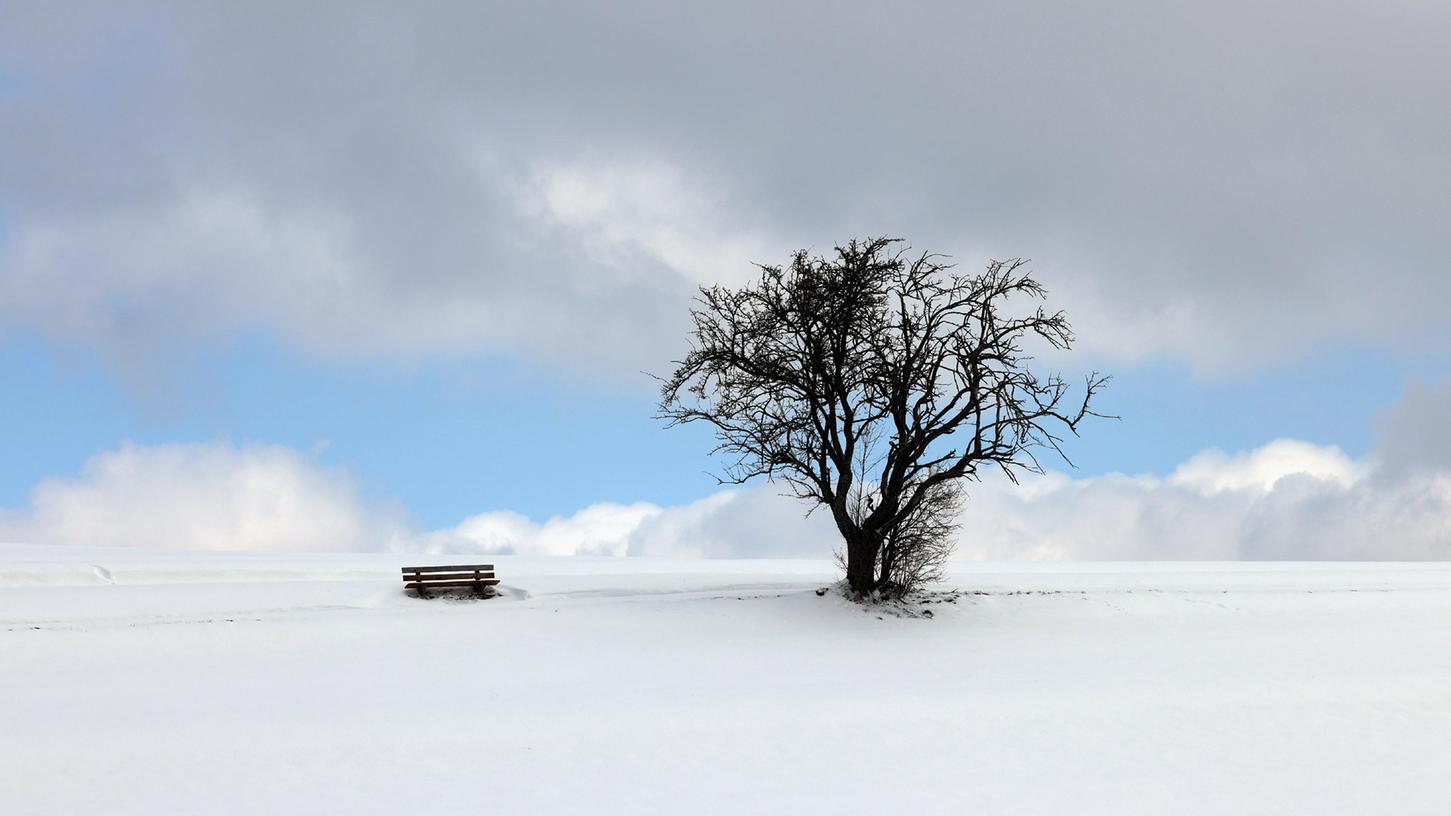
[423, 593]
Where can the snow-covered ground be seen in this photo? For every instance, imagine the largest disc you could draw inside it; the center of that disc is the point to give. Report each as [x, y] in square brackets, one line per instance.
[147, 683]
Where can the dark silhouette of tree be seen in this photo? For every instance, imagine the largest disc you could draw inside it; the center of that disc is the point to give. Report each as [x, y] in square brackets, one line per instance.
[873, 382]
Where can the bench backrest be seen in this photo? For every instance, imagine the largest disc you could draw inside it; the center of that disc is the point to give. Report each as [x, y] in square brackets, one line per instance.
[450, 575]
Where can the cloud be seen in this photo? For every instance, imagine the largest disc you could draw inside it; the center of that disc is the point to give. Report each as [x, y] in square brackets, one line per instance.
[1214, 471]
[1292, 514]
[1288, 500]
[214, 496]
[1217, 183]
[745, 523]
[1414, 435]
[618, 209]
[600, 529]
[1285, 500]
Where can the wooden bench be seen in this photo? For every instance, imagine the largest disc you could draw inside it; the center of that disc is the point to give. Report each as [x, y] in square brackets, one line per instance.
[479, 576]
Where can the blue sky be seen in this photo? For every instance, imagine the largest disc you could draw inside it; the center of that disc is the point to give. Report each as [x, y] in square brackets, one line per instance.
[385, 276]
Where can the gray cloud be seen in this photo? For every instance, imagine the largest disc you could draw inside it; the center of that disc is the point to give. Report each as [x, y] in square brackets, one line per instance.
[1414, 435]
[1228, 184]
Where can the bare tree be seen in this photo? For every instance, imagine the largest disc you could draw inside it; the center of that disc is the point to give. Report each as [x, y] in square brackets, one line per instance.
[872, 382]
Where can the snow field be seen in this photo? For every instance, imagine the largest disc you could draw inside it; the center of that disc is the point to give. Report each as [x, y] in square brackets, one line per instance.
[152, 683]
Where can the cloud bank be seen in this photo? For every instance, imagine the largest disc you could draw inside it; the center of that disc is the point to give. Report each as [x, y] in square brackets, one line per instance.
[1288, 499]
[1229, 184]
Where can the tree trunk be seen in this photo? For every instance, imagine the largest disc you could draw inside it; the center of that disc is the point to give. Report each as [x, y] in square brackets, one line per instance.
[884, 572]
[861, 561]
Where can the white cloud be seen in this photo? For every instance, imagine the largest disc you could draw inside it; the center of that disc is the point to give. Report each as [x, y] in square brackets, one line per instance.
[600, 529]
[1288, 499]
[744, 523]
[1214, 471]
[206, 497]
[617, 209]
[1297, 516]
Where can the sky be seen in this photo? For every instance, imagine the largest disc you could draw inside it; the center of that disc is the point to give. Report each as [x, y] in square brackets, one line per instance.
[354, 276]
